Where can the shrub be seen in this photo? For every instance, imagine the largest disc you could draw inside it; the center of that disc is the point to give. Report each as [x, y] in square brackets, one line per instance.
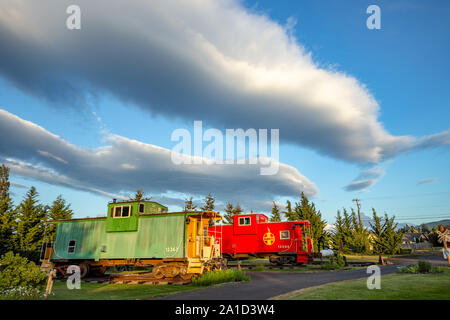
[340, 262]
[327, 266]
[409, 269]
[424, 266]
[220, 276]
[259, 267]
[20, 278]
[421, 267]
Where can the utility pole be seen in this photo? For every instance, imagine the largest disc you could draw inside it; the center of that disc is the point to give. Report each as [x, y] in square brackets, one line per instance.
[359, 212]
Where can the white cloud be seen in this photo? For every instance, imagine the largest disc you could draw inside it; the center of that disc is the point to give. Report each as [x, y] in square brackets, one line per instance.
[124, 165]
[207, 59]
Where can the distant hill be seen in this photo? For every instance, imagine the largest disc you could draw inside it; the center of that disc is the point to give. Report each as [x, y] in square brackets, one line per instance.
[445, 222]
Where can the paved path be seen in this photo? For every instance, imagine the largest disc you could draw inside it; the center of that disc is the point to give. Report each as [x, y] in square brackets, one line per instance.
[436, 259]
[265, 285]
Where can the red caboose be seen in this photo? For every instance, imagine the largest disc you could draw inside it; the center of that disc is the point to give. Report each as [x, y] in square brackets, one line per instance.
[253, 235]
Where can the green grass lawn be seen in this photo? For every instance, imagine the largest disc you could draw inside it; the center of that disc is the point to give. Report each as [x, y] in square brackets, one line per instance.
[393, 287]
[100, 291]
[103, 291]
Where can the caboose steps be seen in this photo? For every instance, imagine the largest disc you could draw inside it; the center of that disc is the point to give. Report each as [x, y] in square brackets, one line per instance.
[195, 265]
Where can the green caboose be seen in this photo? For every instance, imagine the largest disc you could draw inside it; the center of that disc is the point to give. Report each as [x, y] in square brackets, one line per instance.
[137, 233]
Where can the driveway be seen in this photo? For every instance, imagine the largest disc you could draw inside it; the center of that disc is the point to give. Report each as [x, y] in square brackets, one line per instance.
[436, 259]
[265, 285]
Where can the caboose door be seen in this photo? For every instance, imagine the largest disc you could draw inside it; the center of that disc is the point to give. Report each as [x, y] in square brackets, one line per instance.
[194, 238]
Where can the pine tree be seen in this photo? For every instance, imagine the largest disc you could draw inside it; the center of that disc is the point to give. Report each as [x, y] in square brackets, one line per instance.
[385, 237]
[139, 195]
[209, 203]
[359, 242]
[31, 226]
[7, 213]
[338, 236]
[377, 232]
[392, 238]
[189, 205]
[229, 213]
[276, 217]
[237, 209]
[289, 214]
[59, 210]
[306, 210]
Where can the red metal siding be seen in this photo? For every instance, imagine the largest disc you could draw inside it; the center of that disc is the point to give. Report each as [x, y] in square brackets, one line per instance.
[260, 237]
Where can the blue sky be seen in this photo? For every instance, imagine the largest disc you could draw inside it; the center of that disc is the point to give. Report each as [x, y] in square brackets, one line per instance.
[404, 67]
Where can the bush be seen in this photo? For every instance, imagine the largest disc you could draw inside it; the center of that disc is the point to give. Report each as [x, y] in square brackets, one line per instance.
[424, 266]
[421, 267]
[336, 262]
[410, 269]
[220, 276]
[20, 278]
[259, 267]
[340, 262]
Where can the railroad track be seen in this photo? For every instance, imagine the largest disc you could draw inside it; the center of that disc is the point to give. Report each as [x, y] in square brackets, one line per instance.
[131, 278]
[144, 278]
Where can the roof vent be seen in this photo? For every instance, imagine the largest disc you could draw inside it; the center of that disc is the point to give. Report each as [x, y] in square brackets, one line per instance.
[114, 200]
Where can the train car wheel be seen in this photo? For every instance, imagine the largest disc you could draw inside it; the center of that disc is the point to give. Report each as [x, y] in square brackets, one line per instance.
[98, 271]
[157, 272]
[186, 276]
[171, 271]
[84, 270]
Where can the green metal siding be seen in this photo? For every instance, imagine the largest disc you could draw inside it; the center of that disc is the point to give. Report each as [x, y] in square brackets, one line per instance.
[122, 224]
[157, 236]
[87, 235]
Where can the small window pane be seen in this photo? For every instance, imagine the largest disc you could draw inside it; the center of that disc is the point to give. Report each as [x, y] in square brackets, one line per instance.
[141, 208]
[71, 246]
[126, 211]
[284, 234]
[118, 212]
[247, 220]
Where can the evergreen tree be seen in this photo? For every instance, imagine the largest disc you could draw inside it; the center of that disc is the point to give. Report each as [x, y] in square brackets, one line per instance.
[189, 205]
[392, 238]
[359, 241]
[237, 209]
[59, 210]
[276, 217]
[7, 213]
[338, 238]
[229, 213]
[209, 203]
[31, 226]
[343, 237]
[377, 232]
[385, 237]
[289, 214]
[306, 210]
[139, 195]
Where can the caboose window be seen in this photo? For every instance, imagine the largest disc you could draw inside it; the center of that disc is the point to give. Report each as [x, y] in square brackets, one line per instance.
[71, 246]
[284, 234]
[122, 211]
[125, 212]
[244, 221]
[141, 208]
